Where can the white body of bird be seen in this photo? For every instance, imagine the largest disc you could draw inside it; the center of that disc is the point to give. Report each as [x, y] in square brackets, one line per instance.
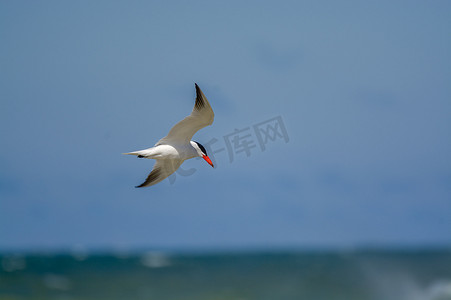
[182, 152]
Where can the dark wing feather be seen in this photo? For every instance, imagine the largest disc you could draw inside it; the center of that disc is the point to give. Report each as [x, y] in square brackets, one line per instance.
[201, 116]
[162, 169]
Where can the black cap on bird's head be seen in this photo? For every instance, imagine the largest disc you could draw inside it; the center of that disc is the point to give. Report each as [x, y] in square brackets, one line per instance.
[202, 148]
[204, 153]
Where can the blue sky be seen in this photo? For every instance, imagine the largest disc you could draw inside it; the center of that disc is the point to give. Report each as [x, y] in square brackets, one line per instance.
[363, 89]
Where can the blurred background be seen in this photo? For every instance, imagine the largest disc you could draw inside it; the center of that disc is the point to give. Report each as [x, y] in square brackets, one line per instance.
[331, 142]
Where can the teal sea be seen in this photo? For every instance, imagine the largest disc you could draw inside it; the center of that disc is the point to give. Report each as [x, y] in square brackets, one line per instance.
[312, 275]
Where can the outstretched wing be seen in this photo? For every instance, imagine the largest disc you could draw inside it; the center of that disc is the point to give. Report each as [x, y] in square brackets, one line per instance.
[162, 169]
[201, 116]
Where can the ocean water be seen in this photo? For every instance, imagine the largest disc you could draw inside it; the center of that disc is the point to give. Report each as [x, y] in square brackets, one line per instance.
[361, 275]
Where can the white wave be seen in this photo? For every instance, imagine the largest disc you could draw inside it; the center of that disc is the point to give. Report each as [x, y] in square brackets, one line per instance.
[155, 260]
[13, 263]
[439, 290]
[394, 283]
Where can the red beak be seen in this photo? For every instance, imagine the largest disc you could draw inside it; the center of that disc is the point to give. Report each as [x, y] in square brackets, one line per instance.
[208, 160]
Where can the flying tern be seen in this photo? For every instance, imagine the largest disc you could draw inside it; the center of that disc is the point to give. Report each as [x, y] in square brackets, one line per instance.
[172, 150]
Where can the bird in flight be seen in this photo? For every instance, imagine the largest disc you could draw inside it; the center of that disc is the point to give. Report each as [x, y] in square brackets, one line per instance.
[172, 150]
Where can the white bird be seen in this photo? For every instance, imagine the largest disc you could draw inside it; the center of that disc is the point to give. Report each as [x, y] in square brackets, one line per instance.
[172, 150]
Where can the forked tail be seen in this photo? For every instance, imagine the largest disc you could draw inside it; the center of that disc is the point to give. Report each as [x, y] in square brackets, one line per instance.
[147, 153]
[132, 153]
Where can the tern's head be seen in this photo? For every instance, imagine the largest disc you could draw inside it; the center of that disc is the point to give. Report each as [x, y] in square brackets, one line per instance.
[201, 152]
